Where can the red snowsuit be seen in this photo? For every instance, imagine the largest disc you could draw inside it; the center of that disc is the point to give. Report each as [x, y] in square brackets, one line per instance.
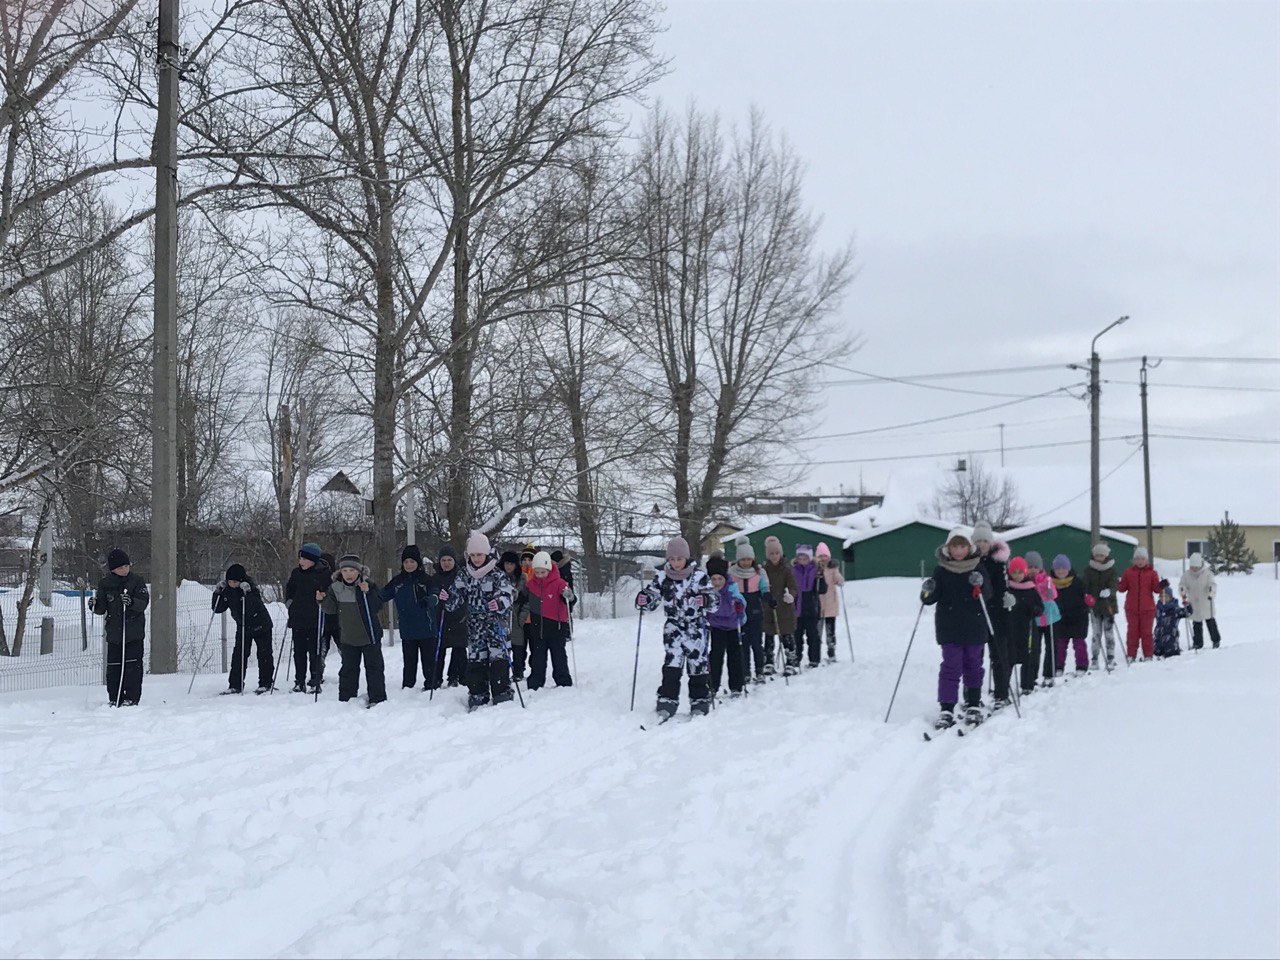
[1141, 586]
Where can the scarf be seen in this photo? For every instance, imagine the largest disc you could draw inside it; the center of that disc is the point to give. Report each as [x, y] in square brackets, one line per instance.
[966, 565]
[671, 574]
[738, 573]
[1111, 562]
[1022, 585]
[482, 570]
[1063, 582]
[806, 575]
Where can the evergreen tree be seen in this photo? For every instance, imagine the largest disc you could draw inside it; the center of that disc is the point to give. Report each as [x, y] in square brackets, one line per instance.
[1227, 551]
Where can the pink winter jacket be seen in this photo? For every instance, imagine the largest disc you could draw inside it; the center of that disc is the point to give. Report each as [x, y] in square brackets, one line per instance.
[831, 599]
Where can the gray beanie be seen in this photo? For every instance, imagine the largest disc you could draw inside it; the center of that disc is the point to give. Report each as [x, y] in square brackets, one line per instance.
[1034, 559]
[744, 549]
[678, 548]
[982, 531]
[1141, 552]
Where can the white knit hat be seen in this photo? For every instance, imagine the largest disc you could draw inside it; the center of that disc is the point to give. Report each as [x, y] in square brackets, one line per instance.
[542, 560]
[478, 543]
[960, 533]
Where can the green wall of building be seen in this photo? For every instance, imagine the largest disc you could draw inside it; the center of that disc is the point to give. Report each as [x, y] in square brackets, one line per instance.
[895, 553]
[791, 537]
[1072, 541]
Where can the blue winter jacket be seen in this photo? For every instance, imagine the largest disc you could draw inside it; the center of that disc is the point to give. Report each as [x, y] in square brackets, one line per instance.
[413, 599]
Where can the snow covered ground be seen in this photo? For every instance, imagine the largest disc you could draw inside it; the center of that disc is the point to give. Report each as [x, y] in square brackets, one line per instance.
[1125, 815]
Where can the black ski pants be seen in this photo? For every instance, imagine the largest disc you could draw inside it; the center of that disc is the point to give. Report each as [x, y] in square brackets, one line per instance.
[830, 624]
[1197, 633]
[131, 691]
[669, 690]
[547, 638]
[753, 646]
[415, 649]
[266, 662]
[375, 674]
[809, 631]
[304, 642]
[726, 645]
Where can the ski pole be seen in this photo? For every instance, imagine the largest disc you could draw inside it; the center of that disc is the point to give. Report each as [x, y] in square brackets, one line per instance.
[319, 647]
[573, 651]
[903, 668]
[200, 656]
[844, 612]
[635, 670]
[512, 667]
[437, 674]
[275, 674]
[244, 643]
[124, 600]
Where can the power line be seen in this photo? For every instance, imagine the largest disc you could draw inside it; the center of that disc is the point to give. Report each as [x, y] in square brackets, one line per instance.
[1085, 492]
[907, 382]
[1194, 386]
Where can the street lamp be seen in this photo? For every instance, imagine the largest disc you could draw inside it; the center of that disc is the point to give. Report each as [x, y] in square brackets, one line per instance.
[1095, 394]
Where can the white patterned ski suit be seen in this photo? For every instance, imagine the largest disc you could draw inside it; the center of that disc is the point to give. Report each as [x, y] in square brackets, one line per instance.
[686, 604]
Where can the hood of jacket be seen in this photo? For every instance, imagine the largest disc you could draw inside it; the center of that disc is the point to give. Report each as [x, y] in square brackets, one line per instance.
[966, 565]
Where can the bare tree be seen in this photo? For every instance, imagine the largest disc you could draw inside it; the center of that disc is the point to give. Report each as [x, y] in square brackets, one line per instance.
[976, 493]
[733, 301]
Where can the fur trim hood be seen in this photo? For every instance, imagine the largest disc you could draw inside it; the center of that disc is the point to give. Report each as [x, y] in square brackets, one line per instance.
[1000, 552]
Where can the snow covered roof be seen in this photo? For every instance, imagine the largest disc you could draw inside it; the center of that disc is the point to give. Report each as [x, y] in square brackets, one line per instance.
[870, 533]
[1033, 528]
[820, 527]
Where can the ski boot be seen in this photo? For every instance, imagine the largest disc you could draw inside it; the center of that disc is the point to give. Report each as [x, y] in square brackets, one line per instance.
[264, 688]
[475, 700]
[973, 716]
[666, 709]
[789, 670]
[999, 703]
[700, 708]
[831, 653]
[1111, 664]
[1093, 663]
[760, 679]
[946, 717]
[299, 687]
[770, 669]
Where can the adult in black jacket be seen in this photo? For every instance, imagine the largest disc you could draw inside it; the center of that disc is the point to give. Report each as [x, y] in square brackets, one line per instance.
[454, 637]
[122, 598]
[239, 595]
[957, 590]
[309, 577]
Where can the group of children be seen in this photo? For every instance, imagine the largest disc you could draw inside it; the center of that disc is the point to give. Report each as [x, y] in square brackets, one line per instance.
[725, 618]
[1029, 617]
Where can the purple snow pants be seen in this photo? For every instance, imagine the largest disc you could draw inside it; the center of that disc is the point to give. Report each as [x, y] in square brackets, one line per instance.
[959, 660]
[1082, 655]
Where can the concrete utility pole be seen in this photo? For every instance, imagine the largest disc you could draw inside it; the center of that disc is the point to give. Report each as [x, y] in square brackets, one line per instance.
[1146, 459]
[46, 563]
[411, 491]
[1095, 396]
[164, 428]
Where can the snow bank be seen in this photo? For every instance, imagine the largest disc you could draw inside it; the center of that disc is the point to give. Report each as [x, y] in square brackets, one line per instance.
[1125, 815]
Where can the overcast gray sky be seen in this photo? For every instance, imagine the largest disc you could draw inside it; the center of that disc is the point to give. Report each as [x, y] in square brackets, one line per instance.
[1016, 176]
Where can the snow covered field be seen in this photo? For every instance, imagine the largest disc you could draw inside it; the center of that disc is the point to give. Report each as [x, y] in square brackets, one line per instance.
[1129, 815]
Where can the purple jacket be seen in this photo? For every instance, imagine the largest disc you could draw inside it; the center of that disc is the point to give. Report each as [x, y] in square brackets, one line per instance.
[731, 613]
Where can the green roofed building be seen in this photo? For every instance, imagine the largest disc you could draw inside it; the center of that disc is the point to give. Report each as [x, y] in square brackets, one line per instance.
[1052, 538]
[900, 549]
[791, 532]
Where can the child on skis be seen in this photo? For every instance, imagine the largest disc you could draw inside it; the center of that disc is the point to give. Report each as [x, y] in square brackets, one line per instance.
[121, 599]
[1168, 614]
[813, 586]
[547, 597]
[1023, 607]
[1042, 635]
[309, 577]
[831, 597]
[995, 555]
[725, 625]
[450, 626]
[1141, 585]
[353, 599]
[1198, 591]
[1073, 628]
[519, 573]
[239, 595]
[410, 591]
[687, 596]
[780, 618]
[1100, 587]
[957, 590]
[754, 587]
[485, 592]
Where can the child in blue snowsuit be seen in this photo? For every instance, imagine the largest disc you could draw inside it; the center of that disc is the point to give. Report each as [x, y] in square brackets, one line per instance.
[725, 627]
[1168, 613]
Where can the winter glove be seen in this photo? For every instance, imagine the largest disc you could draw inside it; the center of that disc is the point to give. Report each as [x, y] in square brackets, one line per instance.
[443, 595]
[769, 599]
[493, 606]
[222, 585]
[1189, 608]
[246, 586]
[697, 600]
[928, 586]
[976, 579]
[642, 600]
[1008, 602]
[567, 593]
[739, 607]
[1104, 594]
[125, 599]
[1088, 600]
[786, 596]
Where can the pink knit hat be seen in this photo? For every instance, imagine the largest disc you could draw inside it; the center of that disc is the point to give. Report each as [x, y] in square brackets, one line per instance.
[478, 543]
[824, 552]
[678, 548]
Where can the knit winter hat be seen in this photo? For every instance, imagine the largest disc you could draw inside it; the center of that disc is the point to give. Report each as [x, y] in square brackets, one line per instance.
[237, 573]
[1141, 553]
[823, 552]
[557, 556]
[1196, 560]
[1164, 585]
[411, 552]
[478, 543]
[350, 562]
[542, 560]
[117, 558]
[311, 551]
[960, 533]
[1062, 562]
[982, 531]
[1101, 549]
[772, 545]
[744, 549]
[510, 556]
[447, 551]
[1034, 560]
[717, 564]
[804, 550]
[528, 551]
[678, 548]
[1017, 565]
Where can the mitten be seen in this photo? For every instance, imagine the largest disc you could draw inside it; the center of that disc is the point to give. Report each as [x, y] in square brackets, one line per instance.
[1088, 600]
[443, 595]
[787, 597]
[642, 600]
[928, 586]
[771, 600]
[976, 579]
[567, 593]
[739, 607]
[493, 606]
[1104, 594]
[1008, 602]
[698, 600]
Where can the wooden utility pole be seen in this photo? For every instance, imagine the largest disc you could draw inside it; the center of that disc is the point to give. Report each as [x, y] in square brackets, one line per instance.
[164, 427]
[1146, 460]
[1095, 397]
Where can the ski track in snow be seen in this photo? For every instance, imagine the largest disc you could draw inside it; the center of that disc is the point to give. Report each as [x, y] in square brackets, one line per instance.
[792, 822]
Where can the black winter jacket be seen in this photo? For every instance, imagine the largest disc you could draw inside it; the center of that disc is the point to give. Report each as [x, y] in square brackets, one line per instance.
[246, 607]
[108, 601]
[958, 616]
[1075, 615]
[1019, 622]
[300, 596]
[455, 621]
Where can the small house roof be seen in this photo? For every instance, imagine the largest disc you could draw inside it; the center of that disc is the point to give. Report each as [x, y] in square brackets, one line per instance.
[1031, 529]
[872, 532]
[820, 527]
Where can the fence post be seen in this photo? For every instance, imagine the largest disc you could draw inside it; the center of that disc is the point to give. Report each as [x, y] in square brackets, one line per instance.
[223, 625]
[46, 635]
[84, 617]
[613, 588]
